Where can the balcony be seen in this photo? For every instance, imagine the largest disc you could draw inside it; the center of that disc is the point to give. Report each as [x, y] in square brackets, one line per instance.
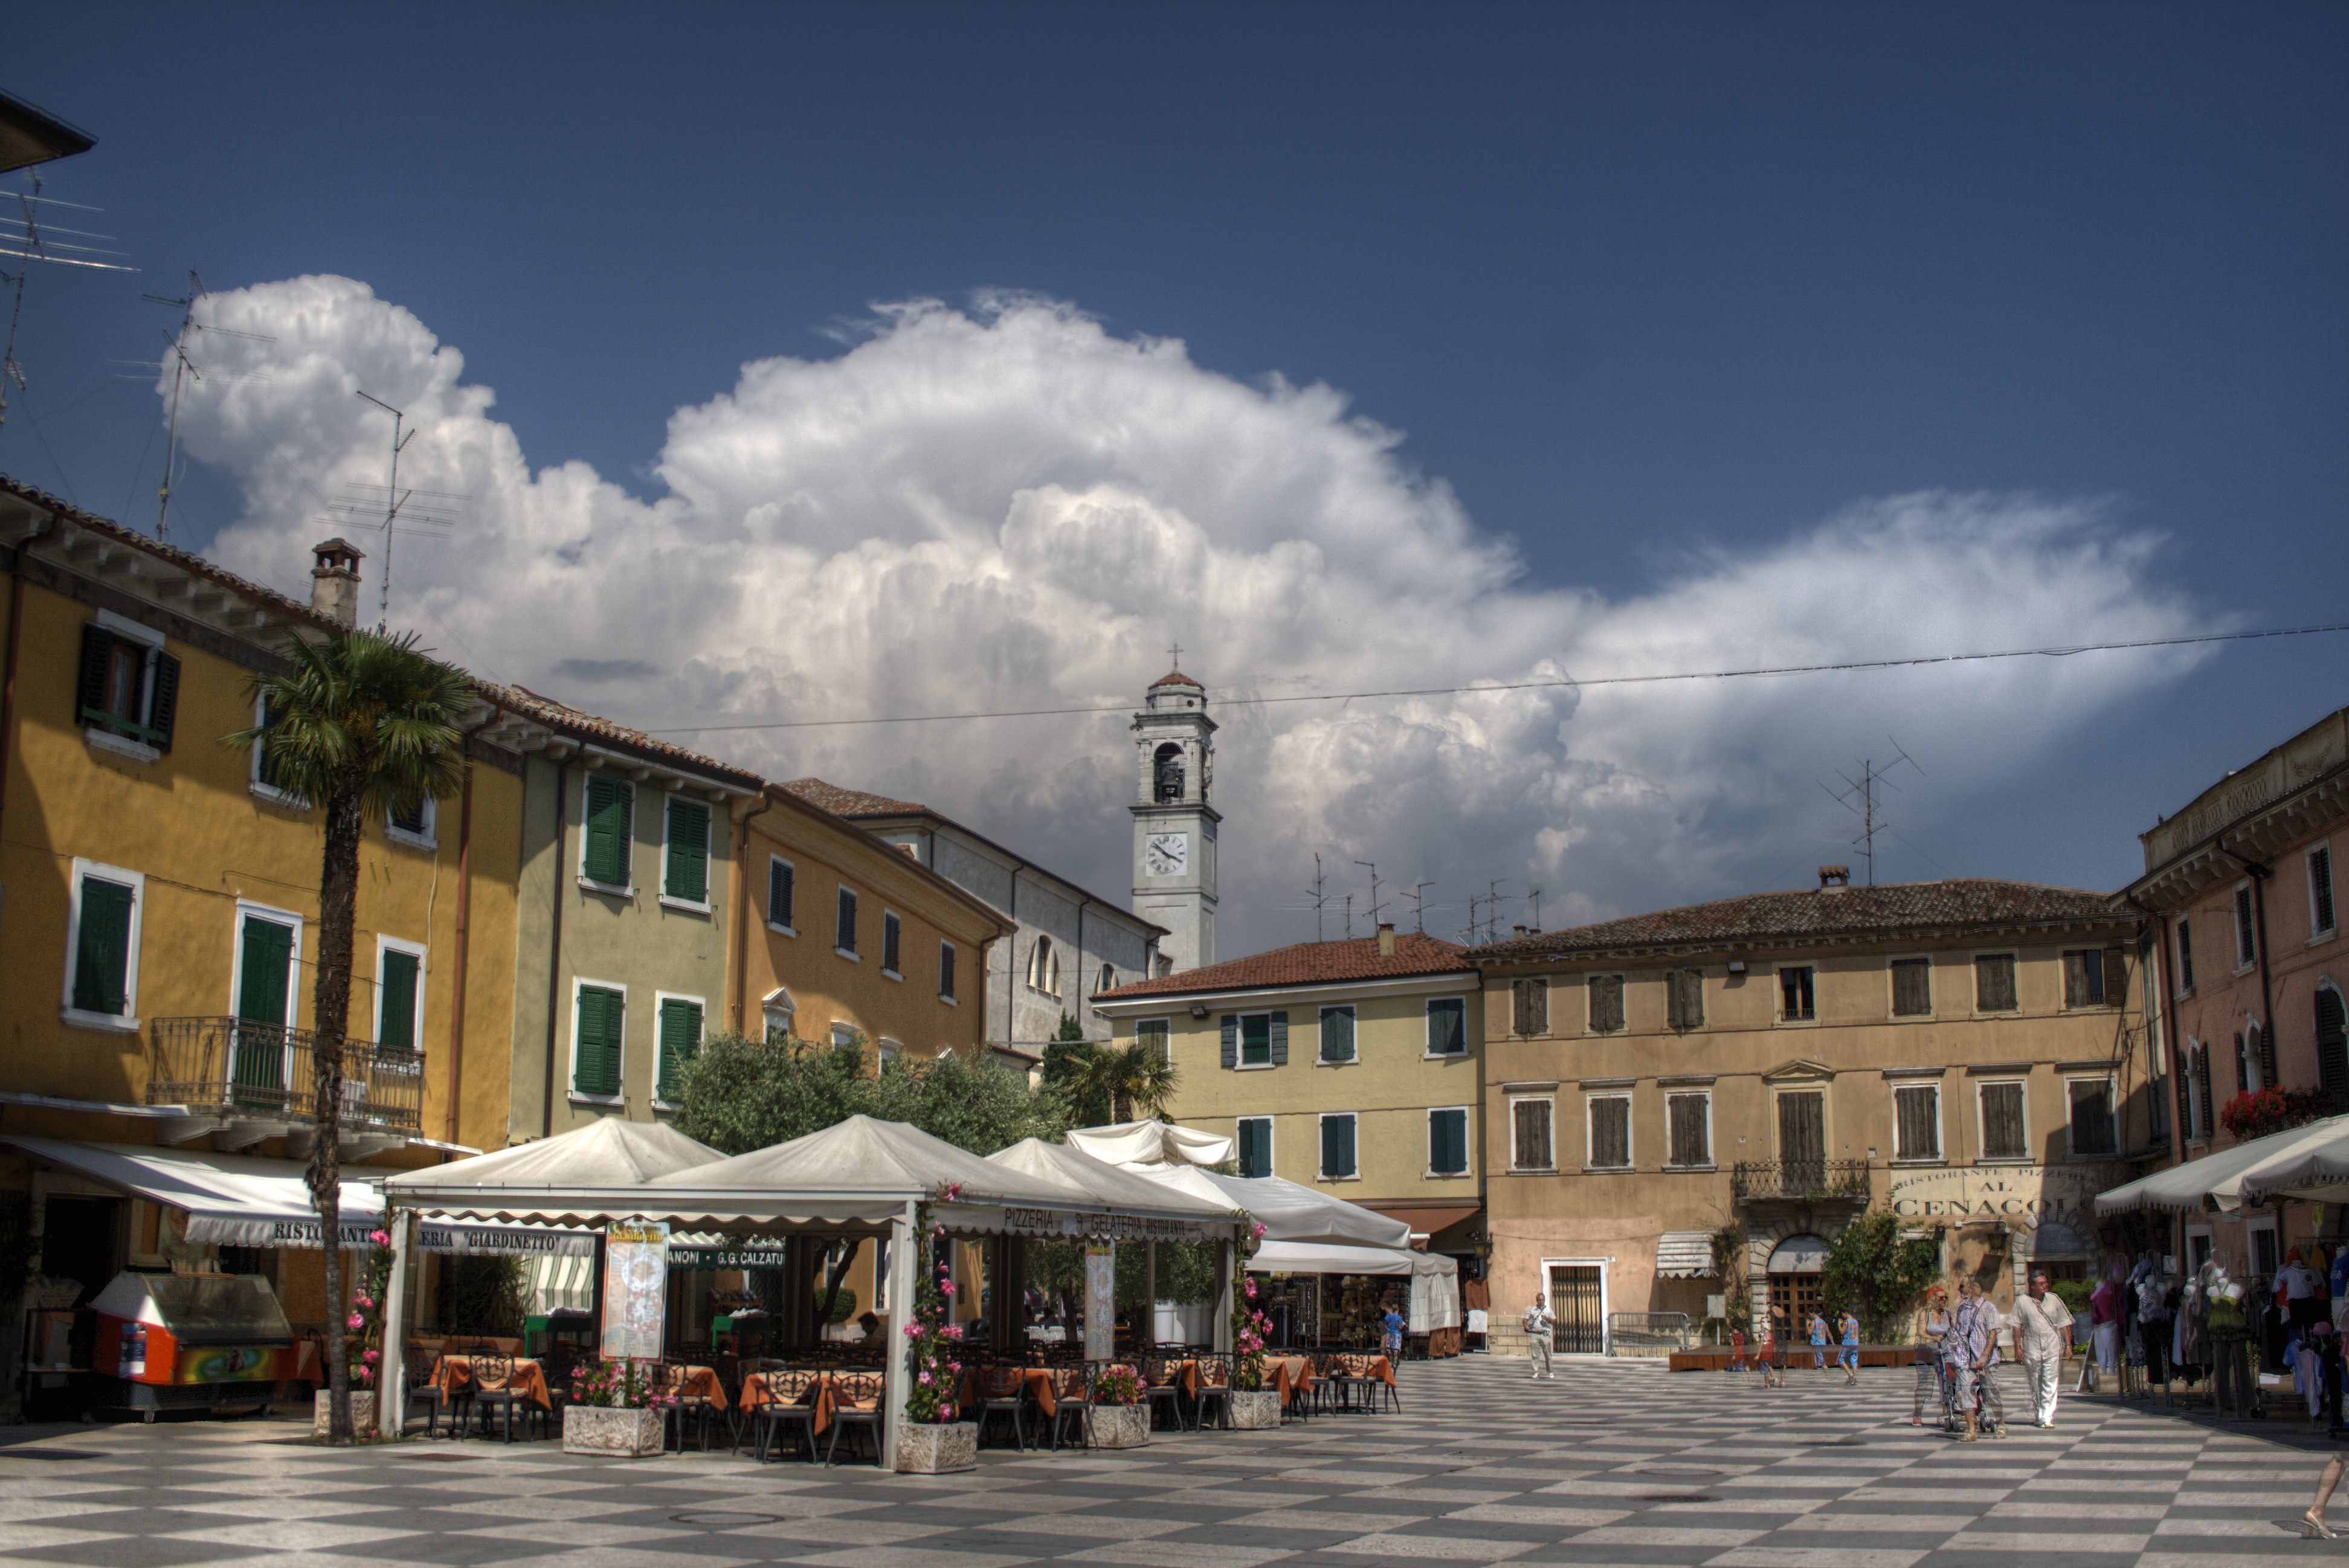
[1799, 1182]
[250, 1081]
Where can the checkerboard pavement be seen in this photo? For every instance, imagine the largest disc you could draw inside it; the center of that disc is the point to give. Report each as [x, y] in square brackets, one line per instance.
[1613, 1463]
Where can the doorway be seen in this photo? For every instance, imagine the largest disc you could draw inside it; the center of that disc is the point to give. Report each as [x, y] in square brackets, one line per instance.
[1577, 1298]
[1793, 1273]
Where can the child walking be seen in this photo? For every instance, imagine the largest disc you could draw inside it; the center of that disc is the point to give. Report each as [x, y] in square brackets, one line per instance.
[1819, 1341]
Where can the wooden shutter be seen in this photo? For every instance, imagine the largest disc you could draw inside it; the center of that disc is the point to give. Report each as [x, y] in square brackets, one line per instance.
[1256, 1147]
[2092, 1116]
[1231, 1022]
[398, 1031]
[891, 930]
[1995, 983]
[945, 969]
[102, 948]
[2246, 947]
[1447, 1142]
[2115, 977]
[1610, 1132]
[2003, 1134]
[1531, 1120]
[1802, 1128]
[602, 1019]
[611, 810]
[1606, 1004]
[1917, 1132]
[2332, 1047]
[1691, 1142]
[1337, 1146]
[1336, 1033]
[1531, 1002]
[1448, 1027]
[2319, 886]
[2266, 1039]
[89, 690]
[1912, 987]
[268, 965]
[1685, 998]
[688, 875]
[844, 935]
[164, 709]
[680, 1037]
[779, 893]
[1280, 1039]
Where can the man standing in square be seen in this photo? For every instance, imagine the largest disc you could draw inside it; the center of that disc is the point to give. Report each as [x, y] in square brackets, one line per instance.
[1538, 1322]
[2043, 1328]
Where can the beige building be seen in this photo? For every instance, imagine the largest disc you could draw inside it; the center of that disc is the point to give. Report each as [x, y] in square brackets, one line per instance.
[1730, 1083]
[1351, 1067]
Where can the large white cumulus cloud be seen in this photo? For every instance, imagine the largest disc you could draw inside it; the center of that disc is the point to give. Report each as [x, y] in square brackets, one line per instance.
[1011, 508]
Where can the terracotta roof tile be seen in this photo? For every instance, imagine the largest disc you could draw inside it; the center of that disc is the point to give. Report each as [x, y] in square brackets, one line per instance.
[1308, 964]
[545, 710]
[1851, 914]
[853, 803]
[1174, 677]
[193, 564]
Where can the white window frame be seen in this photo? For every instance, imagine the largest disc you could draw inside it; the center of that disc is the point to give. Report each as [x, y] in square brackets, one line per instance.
[848, 952]
[1514, 1100]
[253, 782]
[1353, 1056]
[1044, 965]
[2322, 933]
[1622, 992]
[1973, 982]
[294, 918]
[426, 840]
[888, 916]
[578, 984]
[778, 1007]
[1238, 1121]
[888, 1051]
[108, 1023]
[1675, 1092]
[1319, 1145]
[1467, 1145]
[843, 1033]
[1427, 1039]
[1591, 1132]
[710, 856]
[1778, 972]
[659, 997]
[1240, 1064]
[1940, 1122]
[2253, 1226]
[949, 960]
[2112, 1113]
[123, 627]
[2244, 916]
[414, 950]
[613, 889]
[1167, 1023]
[1982, 1124]
[781, 928]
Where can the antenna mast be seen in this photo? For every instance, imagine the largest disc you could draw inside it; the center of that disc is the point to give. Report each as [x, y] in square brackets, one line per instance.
[1858, 796]
[184, 369]
[31, 243]
[434, 513]
[1373, 867]
[1320, 897]
[1419, 905]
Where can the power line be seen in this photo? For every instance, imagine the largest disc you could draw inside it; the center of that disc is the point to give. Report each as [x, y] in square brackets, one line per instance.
[1847, 665]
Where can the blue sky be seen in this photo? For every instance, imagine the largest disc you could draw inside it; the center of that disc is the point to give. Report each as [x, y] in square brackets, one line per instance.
[1651, 290]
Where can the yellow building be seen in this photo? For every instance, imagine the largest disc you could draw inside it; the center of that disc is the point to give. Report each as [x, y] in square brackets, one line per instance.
[1970, 1053]
[1355, 1067]
[159, 901]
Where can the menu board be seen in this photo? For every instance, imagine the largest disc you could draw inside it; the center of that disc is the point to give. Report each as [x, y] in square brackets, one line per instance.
[636, 1289]
[1100, 1301]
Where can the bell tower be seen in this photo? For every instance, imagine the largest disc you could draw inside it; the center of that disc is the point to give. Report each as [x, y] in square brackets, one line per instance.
[1174, 824]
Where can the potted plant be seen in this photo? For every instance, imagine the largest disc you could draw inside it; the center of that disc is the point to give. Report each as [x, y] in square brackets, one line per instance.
[613, 1413]
[1255, 1407]
[1121, 1410]
[362, 1343]
[935, 1440]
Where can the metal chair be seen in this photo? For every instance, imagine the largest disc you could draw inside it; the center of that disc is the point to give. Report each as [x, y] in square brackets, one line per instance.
[422, 1391]
[791, 1401]
[493, 1389]
[857, 1402]
[1003, 1391]
[1162, 1384]
[1214, 1388]
[1072, 1395]
[669, 1381]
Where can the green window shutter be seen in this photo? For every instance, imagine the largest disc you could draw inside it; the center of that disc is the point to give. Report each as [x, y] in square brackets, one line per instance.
[1280, 1039]
[843, 935]
[1256, 1147]
[891, 930]
[1447, 1033]
[687, 876]
[1231, 1041]
[165, 709]
[1447, 1142]
[680, 1037]
[398, 1031]
[102, 948]
[1336, 1033]
[268, 965]
[610, 814]
[1337, 1146]
[602, 1018]
[97, 652]
[945, 969]
[779, 892]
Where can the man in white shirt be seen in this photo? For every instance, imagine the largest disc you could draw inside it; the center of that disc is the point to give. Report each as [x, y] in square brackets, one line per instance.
[1538, 1324]
[2043, 1337]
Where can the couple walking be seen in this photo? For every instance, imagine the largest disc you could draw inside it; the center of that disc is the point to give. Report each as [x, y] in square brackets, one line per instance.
[1961, 1348]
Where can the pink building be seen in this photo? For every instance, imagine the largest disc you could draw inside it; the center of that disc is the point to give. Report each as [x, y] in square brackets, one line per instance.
[2253, 967]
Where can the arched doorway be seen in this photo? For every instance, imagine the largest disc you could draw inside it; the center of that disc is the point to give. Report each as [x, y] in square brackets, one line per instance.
[1794, 1271]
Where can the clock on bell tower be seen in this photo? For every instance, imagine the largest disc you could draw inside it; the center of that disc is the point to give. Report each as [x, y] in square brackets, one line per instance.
[1174, 825]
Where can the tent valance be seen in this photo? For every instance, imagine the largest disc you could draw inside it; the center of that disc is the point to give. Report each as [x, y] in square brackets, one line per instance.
[1307, 1257]
[1143, 1143]
[1290, 1213]
[1686, 1254]
[2217, 1180]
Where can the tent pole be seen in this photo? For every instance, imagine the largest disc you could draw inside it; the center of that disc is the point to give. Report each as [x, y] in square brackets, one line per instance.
[1228, 1264]
[1149, 1336]
[391, 1376]
[903, 1247]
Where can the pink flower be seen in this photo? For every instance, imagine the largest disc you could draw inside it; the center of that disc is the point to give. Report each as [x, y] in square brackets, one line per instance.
[380, 1238]
[947, 1285]
[925, 1377]
[367, 1374]
[370, 1356]
[355, 1321]
[362, 1301]
[1251, 1290]
[912, 1331]
[952, 1331]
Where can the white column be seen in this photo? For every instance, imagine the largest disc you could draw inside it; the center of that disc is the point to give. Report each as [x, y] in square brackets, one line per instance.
[1150, 1284]
[392, 1373]
[1228, 1267]
[904, 1246]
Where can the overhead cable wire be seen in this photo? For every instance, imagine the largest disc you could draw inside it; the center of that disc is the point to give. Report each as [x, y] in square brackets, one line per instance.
[1846, 666]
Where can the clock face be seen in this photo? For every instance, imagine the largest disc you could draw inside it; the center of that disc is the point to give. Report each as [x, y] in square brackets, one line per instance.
[1167, 854]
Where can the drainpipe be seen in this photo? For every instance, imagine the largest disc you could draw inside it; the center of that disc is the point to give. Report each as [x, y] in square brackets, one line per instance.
[16, 630]
[742, 911]
[554, 975]
[464, 918]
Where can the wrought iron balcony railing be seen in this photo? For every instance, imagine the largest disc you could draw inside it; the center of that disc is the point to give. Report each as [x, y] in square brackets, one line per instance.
[245, 1072]
[1799, 1180]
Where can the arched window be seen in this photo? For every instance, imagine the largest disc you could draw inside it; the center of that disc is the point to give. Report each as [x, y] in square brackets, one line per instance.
[1044, 966]
[1108, 979]
[1166, 774]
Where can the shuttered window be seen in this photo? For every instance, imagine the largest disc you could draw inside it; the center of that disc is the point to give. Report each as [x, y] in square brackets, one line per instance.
[1336, 1033]
[1995, 983]
[2004, 1136]
[2185, 955]
[2092, 1116]
[892, 929]
[1529, 1130]
[1917, 1121]
[2247, 942]
[265, 971]
[1803, 1128]
[1606, 1004]
[397, 1029]
[2332, 1047]
[1447, 1142]
[2320, 917]
[779, 894]
[680, 1038]
[1152, 1035]
[2084, 978]
[1255, 1146]
[1685, 998]
[1256, 1040]
[686, 878]
[945, 969]
[1912, 987]
[595, 1063]
[843, 933]
[1689, 1117]
[1447, 1026]
[127, 687]
[1529, 1000]
[1795, 999]
[1610, 1132]
[611, 810]
[102, 974]
[1337, 1147]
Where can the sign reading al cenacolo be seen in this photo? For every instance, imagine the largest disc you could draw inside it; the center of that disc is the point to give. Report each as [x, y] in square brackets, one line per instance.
[2021, 1197]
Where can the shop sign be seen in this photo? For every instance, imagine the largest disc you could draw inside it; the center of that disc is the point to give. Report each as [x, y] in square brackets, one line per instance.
[1101, 1227]
[278, 1233]
[2018, 1197]
[636, 1289]
[504, 1241]
[742, 1255]
[1100, 1302]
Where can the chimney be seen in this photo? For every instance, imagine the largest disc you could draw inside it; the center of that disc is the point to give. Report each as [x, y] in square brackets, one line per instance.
[1831, 877]
[1518, 929]
[335, 582]
[1386, 939]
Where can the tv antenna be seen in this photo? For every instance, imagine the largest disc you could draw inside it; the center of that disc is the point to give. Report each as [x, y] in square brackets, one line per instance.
[25, 236]
[1350, 917]
[428, 515]
[1320, 897]
[1533, 893]
[184, 370]
[1860, 797]
[1419, 905]
[1372, 866]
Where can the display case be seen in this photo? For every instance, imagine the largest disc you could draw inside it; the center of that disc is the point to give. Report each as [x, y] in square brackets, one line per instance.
[192, 1341]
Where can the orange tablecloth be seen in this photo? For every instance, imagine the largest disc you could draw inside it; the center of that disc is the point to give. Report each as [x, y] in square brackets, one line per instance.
[454, 1374]
[700, 1383]
[1377, 1367]
[824, 1397]
[1290, 1374]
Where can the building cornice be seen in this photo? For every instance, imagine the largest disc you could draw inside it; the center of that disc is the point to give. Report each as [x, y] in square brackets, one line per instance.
[1179, 1001]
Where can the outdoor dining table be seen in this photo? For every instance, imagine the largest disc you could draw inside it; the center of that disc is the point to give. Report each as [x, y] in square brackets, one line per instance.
[823, 1396]
[452, 1375]
[1377, 1367]
[1039, 1381]
[699, 1383]
[1292, 1375]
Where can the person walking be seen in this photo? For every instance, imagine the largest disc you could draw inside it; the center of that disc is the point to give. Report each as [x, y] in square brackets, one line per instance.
[1393, 1339]
[1767, 1343]
[2043, 1334]
[1932, 1328]
[1850, 1347]
[2105, 1320]
[1818, 1339]
[1971, 1344]
[1538, 1324]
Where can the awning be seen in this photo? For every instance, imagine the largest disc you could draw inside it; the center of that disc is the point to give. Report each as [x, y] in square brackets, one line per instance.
[1308, 1257]
[1287, 1210]
[1684, 1254]
[1427, 1222]
[2213, 1180]
[1151, 1143]
[2314, 1165]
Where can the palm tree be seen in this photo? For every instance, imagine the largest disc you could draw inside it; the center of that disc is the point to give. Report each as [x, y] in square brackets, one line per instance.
[1133, 1078]
[365, 724]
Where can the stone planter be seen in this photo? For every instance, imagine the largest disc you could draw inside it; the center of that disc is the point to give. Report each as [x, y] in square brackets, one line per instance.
[611, 1433]
[362, 1414]
[1121, 1426]
[936, 1450]
[1255, 1410]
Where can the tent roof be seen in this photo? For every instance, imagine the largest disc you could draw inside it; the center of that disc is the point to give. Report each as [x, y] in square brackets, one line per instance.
[1307, 1257]
[1139, 1144]
[1080, 1175]
[2313, 1164]
[2182, 1189]
[1290, 1213]
[237, 1199]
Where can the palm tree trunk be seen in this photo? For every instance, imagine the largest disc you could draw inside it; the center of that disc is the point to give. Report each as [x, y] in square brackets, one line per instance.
[338, 886]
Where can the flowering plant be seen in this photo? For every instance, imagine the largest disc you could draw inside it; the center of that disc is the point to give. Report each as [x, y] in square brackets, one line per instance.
[1251, 1331]
[619, 1385]
[1118, 1385]
[933, 1340]
[2257, 1112]
[363, 1341]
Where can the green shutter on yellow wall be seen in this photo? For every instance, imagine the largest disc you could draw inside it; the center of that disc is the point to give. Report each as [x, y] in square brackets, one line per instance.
[398, 983]
[688, 875]
[680, 1037]
[610, 814]
[102, 948]
[602, 1018]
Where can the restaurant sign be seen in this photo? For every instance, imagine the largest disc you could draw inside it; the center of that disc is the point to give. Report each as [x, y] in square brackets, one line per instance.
[2016, 1197]
[749, 1254]
[636, 1289]
[504, 1241]
[1099, 1227]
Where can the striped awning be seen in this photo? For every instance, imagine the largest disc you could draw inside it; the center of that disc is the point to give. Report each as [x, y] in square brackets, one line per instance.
[1684, 1254]
[560, 1283]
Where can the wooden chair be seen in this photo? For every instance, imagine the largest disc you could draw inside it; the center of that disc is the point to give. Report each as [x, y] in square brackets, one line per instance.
[1162, 1384]
[856, 1399]
[1003, 1390]
[791, 1401]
